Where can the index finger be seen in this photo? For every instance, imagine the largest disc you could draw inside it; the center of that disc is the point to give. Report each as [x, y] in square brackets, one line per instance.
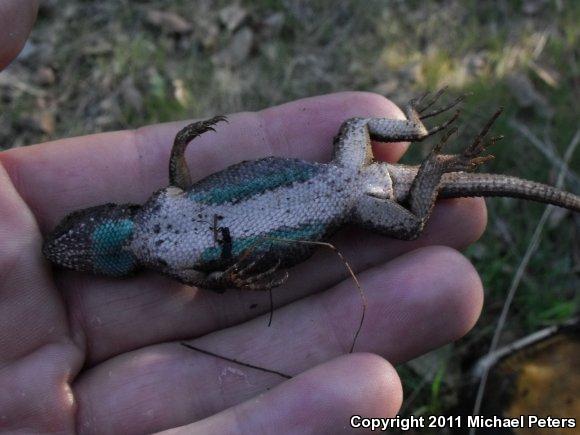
[58, 177]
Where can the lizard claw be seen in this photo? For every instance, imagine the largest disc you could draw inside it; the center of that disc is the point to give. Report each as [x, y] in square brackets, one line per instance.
[432, 101]
[478, 145]
[442, 109]
[209, 123]
[253, 278]
[470, 158]
[476, 161]
[248, 274]
[418, 110]
[445, 124]
[439, 146]
[421, 109]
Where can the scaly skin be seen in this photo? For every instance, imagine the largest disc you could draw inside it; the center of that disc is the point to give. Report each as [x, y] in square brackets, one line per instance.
[234, 229]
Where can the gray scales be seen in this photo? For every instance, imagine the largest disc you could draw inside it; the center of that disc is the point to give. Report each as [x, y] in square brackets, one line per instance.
[235, 228]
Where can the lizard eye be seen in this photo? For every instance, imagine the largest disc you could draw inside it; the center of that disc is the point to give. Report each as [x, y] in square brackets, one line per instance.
[94, 240]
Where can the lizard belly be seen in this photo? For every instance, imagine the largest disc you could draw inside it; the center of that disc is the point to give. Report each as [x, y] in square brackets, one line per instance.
[182, 232]
[302, 211]
[316, 202]
[172, 231]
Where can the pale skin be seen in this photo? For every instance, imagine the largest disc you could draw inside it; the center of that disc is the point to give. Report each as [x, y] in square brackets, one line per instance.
[86, 354]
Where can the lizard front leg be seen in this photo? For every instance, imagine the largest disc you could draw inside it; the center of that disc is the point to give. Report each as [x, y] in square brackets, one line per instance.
[248, 273]
[406, 220]
[178, 171]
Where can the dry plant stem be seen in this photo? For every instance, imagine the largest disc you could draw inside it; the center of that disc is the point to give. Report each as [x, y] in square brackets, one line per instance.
[235, 361]
[356, 334]
[491, 359]
[351, 273]
[519, 274]
[546, 150]
[271, 308]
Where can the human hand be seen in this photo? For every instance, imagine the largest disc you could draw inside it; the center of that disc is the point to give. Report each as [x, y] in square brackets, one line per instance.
[95, 355]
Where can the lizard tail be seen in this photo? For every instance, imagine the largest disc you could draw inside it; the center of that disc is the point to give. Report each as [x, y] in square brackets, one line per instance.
[460, 184]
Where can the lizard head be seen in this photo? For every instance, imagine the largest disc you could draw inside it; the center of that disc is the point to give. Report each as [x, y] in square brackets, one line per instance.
[94, 240]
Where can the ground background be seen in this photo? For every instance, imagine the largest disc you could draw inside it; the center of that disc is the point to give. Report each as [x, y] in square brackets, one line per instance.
[107, 65]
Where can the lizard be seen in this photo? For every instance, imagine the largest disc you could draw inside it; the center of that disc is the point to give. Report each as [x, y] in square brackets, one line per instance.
[234, 228]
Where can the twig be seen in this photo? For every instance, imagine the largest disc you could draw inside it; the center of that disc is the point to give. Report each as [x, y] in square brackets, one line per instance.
[548, 152]
[235, 361]
[252, 366]
[488, 361]
[350, 271]
[519, 274]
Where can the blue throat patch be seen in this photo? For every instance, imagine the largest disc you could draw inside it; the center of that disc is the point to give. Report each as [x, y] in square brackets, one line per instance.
[108, 240]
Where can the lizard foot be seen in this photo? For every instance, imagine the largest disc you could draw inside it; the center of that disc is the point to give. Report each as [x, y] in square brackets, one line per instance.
[470, 158]
[249, 275]
[422, 107]
[195, 129]
[419, 108]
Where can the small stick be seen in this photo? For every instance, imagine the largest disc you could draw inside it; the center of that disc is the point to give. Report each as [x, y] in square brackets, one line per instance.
[350, 271]
[356, 281]
[235, 361]
[271, 307]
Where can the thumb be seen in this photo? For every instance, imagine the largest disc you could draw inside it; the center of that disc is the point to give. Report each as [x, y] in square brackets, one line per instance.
[16, 20]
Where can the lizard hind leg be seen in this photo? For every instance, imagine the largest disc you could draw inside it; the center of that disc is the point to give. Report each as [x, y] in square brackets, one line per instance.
[387, 217]
[178, 171]
[406, 220]
[471, 156]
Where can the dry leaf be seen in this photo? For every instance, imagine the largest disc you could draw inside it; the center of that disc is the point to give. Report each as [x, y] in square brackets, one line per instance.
[548, 75]
[180, 92]
[47, 122]
[169, 22]
[232, 16]
[45, 76]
